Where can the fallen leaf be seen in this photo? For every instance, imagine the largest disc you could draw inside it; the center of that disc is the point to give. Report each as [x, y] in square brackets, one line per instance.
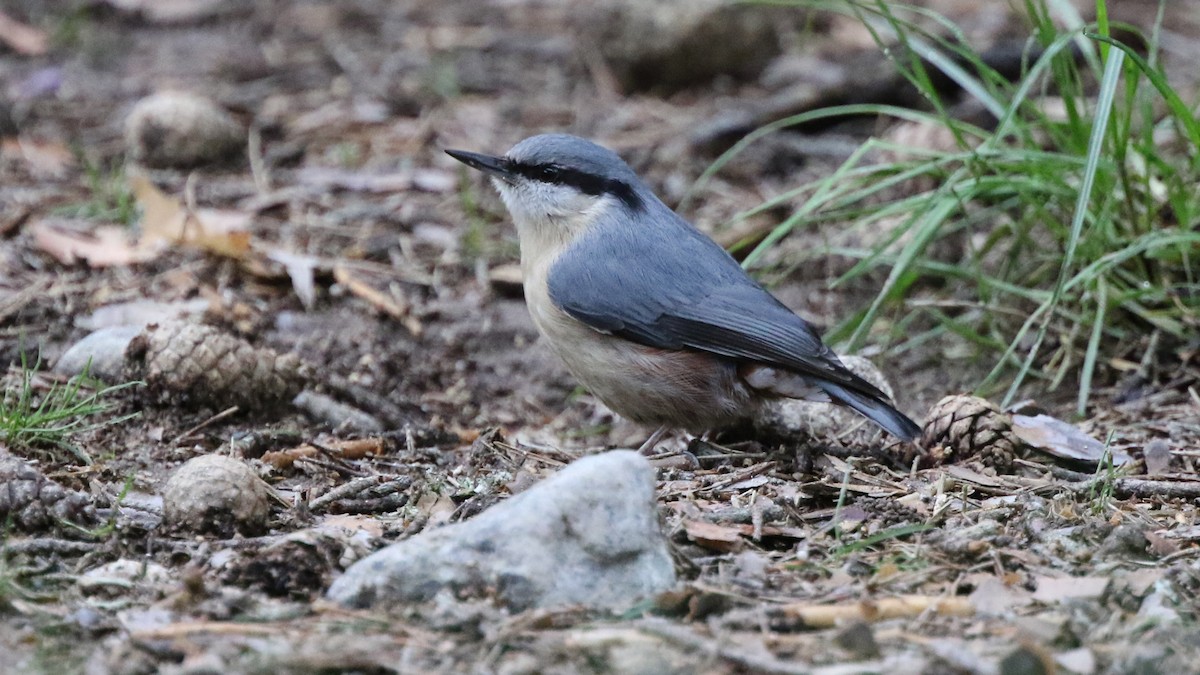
[1056, 589]
[713, 536]
[1056, 437]
[166, 220]
[102, 246]
[1161, 546]
[225, 233]
[437, 507]
[22, 38]
[301, 269]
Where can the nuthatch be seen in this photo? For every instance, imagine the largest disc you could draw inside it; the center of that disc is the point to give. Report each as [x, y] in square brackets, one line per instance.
[652, 316]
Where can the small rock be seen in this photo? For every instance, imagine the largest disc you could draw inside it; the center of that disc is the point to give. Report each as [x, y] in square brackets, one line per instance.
[670, 44]
[859, 640]
[1027, 660]
[217, 494]
[1127, 540]
[824, 423]
[101, 353]
[172, 129]
[1157, 454]
[588, 535]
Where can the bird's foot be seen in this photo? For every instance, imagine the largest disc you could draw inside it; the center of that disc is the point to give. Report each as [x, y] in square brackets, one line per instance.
[647, 448]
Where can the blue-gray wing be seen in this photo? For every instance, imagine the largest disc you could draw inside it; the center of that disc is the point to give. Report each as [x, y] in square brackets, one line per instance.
[674, 288]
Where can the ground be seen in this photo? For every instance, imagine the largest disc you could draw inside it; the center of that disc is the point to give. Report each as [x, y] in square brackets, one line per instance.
[387, 269]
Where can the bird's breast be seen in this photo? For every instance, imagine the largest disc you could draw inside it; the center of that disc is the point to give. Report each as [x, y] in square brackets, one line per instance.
[681, 388]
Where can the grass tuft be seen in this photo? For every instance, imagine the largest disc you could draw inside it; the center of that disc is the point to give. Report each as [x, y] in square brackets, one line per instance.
[1075, 208]
[39, 416]
[109, 200]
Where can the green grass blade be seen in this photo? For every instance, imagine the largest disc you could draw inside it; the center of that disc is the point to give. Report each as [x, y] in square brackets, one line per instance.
[1104, 102]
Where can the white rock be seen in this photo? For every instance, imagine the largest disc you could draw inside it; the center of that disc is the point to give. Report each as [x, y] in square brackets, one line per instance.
[101, 353]
[588, 535]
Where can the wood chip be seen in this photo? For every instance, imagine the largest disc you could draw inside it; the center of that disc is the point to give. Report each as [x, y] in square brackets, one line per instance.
[827, 616]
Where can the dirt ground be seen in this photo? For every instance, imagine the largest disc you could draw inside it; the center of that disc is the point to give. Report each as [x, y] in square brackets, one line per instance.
[387, 269]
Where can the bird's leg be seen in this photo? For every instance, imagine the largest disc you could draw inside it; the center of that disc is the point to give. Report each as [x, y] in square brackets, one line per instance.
[648, 447]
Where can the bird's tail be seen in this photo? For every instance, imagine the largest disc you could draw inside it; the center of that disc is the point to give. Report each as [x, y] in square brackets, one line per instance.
[875, 409]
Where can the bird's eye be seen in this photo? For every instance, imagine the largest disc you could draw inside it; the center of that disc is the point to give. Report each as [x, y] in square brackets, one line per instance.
[549, 174]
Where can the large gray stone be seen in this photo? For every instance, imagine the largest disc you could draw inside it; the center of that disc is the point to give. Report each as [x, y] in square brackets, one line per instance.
[101, 354]
[587, 535]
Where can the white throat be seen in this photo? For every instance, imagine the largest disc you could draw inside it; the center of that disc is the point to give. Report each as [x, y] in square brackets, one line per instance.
[549, 218]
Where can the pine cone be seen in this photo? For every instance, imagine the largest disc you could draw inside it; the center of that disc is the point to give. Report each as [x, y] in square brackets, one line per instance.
[184, 362]
[963, 426]
[33, 502]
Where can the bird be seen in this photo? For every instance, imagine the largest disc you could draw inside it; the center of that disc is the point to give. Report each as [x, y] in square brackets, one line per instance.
[653, 317]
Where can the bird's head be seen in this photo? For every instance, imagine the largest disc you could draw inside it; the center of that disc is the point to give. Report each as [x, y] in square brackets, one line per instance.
[557, 185]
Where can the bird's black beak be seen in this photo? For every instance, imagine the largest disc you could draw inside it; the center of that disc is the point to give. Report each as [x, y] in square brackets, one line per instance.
[496, 166]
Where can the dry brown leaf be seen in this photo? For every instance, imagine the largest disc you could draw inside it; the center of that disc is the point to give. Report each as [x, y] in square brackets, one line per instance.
[22, 38]
[103, 246]
[1161, 546]
[437, 507]
[225, 233]
[1060, 439]
[713, 536]
[167, 220]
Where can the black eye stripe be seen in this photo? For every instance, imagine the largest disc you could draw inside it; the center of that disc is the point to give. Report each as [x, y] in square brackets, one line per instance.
[587, 183]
